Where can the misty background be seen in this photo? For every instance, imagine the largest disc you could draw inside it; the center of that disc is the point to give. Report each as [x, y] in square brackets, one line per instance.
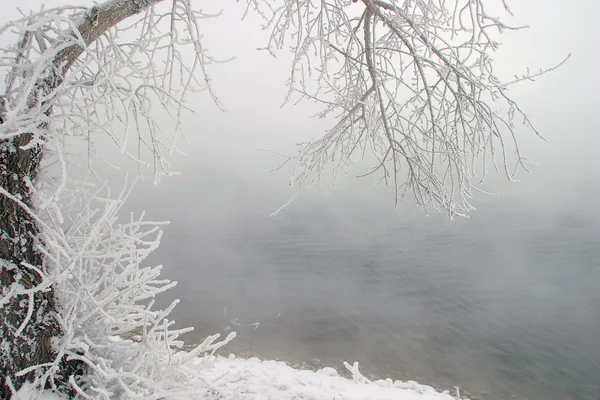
[504, 303]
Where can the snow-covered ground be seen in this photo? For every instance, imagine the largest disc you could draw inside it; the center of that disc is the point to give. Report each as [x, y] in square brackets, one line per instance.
[256, 379]
[253, 379]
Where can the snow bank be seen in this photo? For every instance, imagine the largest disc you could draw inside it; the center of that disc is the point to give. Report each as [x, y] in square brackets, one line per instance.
[256, 379]
[253, 379]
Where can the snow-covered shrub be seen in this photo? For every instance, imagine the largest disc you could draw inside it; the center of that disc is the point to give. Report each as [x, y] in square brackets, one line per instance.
[105, 292]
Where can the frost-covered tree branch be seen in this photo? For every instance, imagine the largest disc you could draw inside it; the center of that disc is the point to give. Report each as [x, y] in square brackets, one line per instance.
[411, 86]
[73, 67]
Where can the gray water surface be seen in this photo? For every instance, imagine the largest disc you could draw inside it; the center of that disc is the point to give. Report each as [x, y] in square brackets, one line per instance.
[506, 303]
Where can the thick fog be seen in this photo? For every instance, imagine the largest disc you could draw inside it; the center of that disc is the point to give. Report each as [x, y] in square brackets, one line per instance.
[505, 301]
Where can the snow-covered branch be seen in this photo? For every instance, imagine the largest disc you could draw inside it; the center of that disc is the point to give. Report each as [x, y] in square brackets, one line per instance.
[411, 88]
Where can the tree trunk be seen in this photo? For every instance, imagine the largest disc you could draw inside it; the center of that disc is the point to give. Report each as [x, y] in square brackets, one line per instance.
[18, 239]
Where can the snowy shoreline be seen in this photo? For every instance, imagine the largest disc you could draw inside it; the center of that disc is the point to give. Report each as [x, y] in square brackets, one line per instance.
[216, 376]
[236, 378]
[371, 372]
[255, 379]
[374, 373]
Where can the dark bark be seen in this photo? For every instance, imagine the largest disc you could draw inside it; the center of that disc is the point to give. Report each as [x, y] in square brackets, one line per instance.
[18, 238]
[19, 233]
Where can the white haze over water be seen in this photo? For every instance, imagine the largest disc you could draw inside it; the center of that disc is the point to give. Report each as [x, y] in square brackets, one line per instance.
[505, 302]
